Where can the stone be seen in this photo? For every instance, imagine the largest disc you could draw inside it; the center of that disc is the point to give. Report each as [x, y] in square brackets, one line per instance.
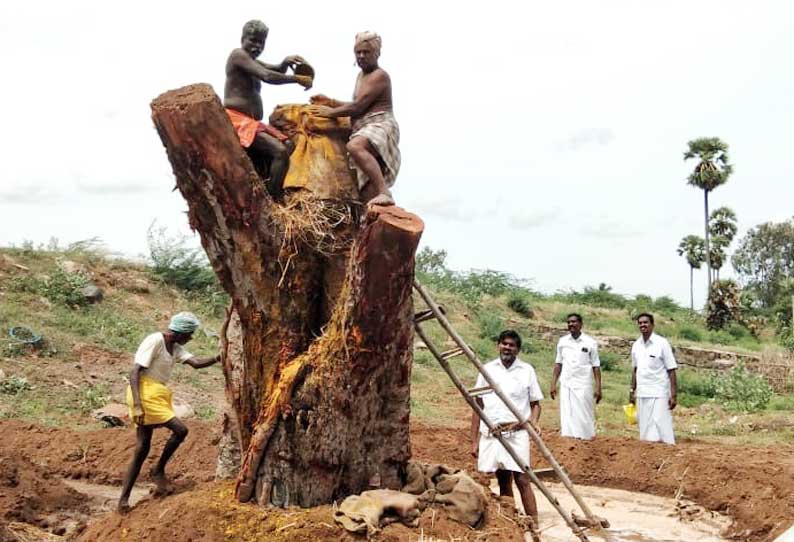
[92, 293]
[183, 410]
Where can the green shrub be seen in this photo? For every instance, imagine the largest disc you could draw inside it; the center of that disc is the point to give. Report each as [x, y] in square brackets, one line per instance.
[93, 397]
[609, 360]
[690, 333]
[742, 390]
[14, 385]
[177, 265]
[60, 287]
[738, 331]
[721, 337]
[491, 325]
[693, 383]
[520, 304]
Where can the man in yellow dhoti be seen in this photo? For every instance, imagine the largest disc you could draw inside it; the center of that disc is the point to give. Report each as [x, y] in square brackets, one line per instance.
[149, 399]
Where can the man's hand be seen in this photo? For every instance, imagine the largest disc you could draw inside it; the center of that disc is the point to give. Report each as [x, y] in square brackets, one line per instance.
[320, 110]
[475, 448]
[535, 426]
[305, 81]
[292, 60]
[632, 399]
[553, 393]
[671, 402]
[598, 396]
[138, 415]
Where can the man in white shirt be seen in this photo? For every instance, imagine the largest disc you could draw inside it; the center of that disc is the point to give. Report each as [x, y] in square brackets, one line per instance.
[577, 366]
[653, 383]
[149, 399]
[519, 383]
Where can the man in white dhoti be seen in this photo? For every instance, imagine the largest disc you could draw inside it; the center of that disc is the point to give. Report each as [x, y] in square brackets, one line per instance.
[577, 366]
[519, 383]
[653, 383]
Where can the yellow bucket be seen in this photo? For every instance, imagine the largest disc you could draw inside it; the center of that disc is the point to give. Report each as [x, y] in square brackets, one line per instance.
[631, 413]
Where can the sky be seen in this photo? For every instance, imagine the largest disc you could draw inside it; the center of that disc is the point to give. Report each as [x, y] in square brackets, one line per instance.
[543, 139]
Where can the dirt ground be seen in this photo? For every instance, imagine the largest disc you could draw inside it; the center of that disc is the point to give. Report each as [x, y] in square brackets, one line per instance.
[752, 485]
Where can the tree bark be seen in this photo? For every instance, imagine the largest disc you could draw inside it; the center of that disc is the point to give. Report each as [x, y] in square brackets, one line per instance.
[317, 362]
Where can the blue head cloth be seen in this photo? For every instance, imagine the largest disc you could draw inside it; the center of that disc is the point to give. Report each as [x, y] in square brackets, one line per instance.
[184, 322]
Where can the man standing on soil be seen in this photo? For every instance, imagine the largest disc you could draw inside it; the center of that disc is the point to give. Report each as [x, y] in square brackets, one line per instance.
[520, 383]
[653, 383]
[373, 145]
[578, 362]
[244, 76]
[149, 399]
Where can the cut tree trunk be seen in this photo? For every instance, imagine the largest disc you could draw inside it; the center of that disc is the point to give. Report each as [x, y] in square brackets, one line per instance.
[317, 362]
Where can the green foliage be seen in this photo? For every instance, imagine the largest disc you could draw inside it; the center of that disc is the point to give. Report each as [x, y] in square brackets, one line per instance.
[93, 397]
[744, 391]
[518, 302]
[14, 385]
[59, 287]
[693, 383]
[693, 248]
[471, 285]
[491, 325]
[723, 305]
[764, 259]
[175, 264]
[205, 412]
[690, 333]
[609, 361]
[712, 168]
[602, 296]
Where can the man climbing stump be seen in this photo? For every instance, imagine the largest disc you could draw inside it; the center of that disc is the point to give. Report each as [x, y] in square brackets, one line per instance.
[322, 403]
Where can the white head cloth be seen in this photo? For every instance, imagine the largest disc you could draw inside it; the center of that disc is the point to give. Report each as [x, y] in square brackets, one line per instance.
[370, 37]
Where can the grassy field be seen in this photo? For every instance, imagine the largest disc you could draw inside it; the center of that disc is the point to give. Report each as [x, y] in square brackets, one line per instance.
[89, 348]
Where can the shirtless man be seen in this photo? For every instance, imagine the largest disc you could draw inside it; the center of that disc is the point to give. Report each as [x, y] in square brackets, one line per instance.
[244, 76]
[373, 145]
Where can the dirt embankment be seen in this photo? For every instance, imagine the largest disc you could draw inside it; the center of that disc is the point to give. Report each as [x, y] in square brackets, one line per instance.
[753, 485]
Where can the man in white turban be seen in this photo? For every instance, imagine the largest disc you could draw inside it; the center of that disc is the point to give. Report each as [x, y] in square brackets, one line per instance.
[374, 143]
[149, 399]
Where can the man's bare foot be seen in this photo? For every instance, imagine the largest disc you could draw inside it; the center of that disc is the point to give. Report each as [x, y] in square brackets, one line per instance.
[382, 200]
[162, 485]
[123, 508]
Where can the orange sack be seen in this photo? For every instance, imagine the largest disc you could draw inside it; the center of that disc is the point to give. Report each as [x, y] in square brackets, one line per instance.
[247, 128]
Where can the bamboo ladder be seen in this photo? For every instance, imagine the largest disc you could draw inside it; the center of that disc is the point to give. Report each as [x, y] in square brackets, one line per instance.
[434, 311]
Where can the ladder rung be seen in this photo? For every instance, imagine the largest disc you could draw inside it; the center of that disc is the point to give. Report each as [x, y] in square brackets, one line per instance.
[423, 316]
[427, 314]
[477, 392]
[449, 354]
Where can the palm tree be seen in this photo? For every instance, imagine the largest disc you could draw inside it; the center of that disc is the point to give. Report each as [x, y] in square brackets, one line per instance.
[722, 229]
[723, 222]
[692, 248]
[711, 171]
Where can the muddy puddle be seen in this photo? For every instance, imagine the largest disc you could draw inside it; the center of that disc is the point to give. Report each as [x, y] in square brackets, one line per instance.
[105, 498]
[633, 517]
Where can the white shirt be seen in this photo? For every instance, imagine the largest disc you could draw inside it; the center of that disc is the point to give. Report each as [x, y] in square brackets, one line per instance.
[154, 357]
[577, 357]
[652, 359]
[519, 383]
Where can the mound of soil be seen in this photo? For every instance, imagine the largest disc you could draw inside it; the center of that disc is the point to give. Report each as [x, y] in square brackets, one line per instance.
[210, 513]
[102, 455]
[750, 484]
[30, 494]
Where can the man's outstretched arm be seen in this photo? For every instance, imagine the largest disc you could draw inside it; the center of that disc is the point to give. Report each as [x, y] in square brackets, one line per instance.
[260, 70]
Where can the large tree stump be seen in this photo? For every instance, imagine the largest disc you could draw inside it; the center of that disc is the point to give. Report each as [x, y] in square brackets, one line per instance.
[318, 383]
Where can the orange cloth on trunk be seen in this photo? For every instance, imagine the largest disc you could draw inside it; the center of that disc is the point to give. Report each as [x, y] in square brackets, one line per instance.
[247, 128]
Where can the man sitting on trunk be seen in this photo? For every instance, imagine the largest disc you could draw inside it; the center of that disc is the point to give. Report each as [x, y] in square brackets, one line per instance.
[241, 97]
